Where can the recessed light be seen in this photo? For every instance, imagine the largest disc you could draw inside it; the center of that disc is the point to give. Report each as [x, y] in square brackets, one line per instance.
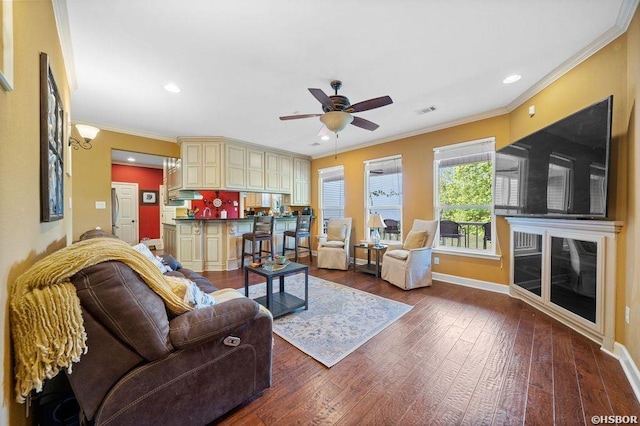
[172, 88]
[324, 137]
[131, 159]
[512, 79]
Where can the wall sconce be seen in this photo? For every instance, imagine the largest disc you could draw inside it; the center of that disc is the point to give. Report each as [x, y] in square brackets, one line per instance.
[88, 133]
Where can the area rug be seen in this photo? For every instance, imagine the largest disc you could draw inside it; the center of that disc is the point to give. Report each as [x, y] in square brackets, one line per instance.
[339, 319]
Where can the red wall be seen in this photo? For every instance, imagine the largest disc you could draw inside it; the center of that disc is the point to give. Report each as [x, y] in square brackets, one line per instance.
[147, 179]
[227, 198]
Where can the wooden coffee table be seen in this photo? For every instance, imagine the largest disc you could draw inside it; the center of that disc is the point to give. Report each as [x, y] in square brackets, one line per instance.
[281, 302]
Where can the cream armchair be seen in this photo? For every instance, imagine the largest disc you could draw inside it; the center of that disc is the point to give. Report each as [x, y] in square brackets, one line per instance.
[408, 265]
[333, 249]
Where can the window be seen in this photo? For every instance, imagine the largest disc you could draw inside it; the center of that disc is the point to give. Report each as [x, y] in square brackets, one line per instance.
[464, 195]
[331, 194]
[383, 183]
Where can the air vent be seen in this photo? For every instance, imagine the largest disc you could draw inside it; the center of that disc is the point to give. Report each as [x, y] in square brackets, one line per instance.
[315, 144]
[426, 110]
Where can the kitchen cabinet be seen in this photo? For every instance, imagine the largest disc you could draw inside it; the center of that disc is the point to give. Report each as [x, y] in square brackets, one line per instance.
[189, 247]
[257, 199]
[301, 182]
[255, 170]
[218, 163]
[169, 239]
[278, 173]
[173, 172]
[214, 248]
[201, 165]
[235, 157]
[215, 244]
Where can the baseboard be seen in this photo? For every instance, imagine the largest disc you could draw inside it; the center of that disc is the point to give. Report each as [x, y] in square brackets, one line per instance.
[469, 282]
[629, 366]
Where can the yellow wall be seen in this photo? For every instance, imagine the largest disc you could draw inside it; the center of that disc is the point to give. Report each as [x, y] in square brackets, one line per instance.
[92, 175]
[615, 69]
[601, 75]
[631, 293]
[24, 239]
[417, 169]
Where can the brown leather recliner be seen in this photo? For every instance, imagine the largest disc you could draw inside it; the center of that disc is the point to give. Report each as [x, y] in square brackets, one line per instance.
[144, 366]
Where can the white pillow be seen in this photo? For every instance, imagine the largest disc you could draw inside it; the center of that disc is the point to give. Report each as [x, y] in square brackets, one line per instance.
[144, 250]
[398, 254]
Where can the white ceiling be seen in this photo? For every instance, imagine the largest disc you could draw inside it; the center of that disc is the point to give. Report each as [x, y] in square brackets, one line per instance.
[242, 64]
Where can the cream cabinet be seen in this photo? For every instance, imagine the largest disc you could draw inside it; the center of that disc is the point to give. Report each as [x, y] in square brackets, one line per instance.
[169, 239]
[214, 163]
[173, 173]
[189, 244]
[278, 172]
[235, 158]
[200, 166]
[257, 199]
[255, 170]
[213, 246]
[301, 195]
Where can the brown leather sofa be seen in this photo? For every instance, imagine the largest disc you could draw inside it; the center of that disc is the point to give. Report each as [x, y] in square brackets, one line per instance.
[146, 367]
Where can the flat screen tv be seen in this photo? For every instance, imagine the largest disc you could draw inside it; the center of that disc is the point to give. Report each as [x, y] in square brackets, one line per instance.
[561, 171]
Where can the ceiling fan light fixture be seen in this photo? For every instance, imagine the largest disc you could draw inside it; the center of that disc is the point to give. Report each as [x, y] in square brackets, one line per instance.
[336, 121]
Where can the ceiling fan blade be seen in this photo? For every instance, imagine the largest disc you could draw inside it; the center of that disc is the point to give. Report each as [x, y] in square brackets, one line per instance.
[365, 124]
[370, 104]
[323, 99]
[295, 117]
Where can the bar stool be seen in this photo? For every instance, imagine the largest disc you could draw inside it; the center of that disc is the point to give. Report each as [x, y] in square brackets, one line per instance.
[262, 231]
[303, 230]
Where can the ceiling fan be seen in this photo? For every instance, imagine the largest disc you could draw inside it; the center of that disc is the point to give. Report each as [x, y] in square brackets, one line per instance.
[338, 110]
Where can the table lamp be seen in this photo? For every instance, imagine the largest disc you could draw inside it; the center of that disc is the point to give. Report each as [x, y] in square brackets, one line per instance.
[375, 222]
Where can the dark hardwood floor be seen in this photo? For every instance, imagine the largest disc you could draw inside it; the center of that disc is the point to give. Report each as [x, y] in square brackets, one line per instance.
[460, 356]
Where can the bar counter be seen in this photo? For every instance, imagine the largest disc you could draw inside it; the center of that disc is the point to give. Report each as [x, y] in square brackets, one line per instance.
[215, 244]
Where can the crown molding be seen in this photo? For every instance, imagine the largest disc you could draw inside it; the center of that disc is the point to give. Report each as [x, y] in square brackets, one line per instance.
[458, 122]
[126, 131]
[625, 15]
[61, 14]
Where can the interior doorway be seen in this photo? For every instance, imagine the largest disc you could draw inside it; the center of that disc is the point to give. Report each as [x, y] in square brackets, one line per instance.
[124, 211]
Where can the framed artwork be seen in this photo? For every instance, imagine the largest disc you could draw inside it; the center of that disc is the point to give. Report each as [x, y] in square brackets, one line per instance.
[51, 146]
[149, 198]
[6, 45]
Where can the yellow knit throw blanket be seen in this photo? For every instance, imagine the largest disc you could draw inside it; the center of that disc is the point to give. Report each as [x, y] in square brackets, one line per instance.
[46, 321]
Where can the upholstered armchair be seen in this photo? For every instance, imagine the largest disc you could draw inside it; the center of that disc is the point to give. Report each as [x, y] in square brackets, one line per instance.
[333, 249]
[408, 265]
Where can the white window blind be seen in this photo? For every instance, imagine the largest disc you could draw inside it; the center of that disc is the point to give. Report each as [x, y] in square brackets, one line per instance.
[332, 192]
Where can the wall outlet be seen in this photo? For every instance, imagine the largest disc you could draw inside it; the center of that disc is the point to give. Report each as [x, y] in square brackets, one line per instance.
[436, 260]
[627, 314]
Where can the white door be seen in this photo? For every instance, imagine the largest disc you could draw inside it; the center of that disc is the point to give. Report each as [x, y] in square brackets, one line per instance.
[126, 220]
